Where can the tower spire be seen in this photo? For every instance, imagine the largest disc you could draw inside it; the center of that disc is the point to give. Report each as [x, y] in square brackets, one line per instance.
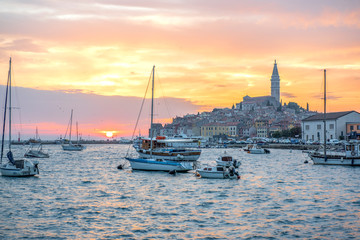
[275, 83]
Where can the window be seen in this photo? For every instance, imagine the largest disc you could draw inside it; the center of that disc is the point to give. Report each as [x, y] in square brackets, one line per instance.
[358, 127]
[307, 127]
[319, 126]
[331, 126]
[351, 128]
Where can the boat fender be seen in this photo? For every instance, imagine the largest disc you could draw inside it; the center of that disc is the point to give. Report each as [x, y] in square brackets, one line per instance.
[144, 151]
[180, 156]
[353, 153]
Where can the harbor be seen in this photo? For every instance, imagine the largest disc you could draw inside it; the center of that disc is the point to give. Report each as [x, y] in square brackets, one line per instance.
[84, 194]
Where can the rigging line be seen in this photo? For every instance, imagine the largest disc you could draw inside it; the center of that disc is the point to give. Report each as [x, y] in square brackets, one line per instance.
[162, 91]
[17, 97]
[137, 121]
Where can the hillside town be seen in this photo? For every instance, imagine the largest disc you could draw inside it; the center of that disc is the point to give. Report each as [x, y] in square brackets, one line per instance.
[263, 117]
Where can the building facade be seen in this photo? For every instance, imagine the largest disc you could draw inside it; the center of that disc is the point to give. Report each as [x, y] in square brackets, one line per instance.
[336, 125]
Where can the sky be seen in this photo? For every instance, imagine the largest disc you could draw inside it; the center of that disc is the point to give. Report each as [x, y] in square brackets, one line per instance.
[96, 57]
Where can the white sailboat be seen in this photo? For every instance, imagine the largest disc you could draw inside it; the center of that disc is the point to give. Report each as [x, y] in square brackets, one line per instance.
[151, 163]
[14, 168]
[70, 146]
[351, 157]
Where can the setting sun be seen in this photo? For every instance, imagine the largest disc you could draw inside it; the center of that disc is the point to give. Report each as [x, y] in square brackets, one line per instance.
[109, 134]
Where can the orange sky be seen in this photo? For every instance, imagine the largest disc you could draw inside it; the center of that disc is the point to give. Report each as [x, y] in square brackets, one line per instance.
[207, 53]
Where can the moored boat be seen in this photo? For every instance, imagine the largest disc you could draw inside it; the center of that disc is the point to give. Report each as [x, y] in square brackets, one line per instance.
[217, 172]
[19, 167]
[256, 149]
[227, 161]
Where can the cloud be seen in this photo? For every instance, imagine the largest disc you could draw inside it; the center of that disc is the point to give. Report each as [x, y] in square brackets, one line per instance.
[288, 95]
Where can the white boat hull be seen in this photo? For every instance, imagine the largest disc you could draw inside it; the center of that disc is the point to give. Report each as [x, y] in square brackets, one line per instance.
[215, 175]
[340, 160]
[191, 156]
[157, 165]
[26, 169]
[71, 147]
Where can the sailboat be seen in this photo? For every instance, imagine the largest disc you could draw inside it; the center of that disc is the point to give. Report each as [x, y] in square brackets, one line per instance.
[70, 146]
[35, 150]
[153, 163]
[351, 156]
[14, 168]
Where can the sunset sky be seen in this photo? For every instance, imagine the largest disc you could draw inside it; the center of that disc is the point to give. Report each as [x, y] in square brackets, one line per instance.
[96, 57]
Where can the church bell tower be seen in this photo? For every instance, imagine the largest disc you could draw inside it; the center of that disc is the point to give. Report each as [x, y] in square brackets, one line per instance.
[275, 83]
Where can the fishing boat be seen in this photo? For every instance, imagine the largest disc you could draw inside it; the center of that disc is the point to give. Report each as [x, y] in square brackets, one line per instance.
[35, 151]
[217, 172]
[20, 167]
[351, 156]
[152, 162]
[256, 149]
[69, 146]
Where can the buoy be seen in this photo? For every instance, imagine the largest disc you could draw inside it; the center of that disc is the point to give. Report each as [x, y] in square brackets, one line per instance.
[120, 167]
[173, 172]
[306, 161]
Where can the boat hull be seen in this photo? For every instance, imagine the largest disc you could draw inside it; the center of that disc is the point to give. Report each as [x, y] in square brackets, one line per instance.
[73, 147]
[36, 154]
[216, 174]
[339, 160]
[190, 155]
[156, 165]
[27, 169]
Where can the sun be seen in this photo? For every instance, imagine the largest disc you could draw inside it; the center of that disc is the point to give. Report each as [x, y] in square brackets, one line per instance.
[109, 134]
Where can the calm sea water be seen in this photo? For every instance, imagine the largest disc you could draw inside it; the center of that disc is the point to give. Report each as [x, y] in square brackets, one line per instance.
[82, 195]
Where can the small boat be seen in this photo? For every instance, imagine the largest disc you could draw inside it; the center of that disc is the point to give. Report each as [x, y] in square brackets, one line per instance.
[150, 159]
[256, 149]
[227, 161]
[70, 146]
[218, 172]
[35, 151]
[14, 168]
[147, 164]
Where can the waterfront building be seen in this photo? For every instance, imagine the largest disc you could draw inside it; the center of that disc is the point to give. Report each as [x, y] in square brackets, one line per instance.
[214, 129]
[338, 125]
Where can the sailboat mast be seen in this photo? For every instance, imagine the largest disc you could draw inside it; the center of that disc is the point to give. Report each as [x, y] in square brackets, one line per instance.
[152, 111]
[10, 107]
[70, 125]
[77, 133]
[325, 114]
[5, 109]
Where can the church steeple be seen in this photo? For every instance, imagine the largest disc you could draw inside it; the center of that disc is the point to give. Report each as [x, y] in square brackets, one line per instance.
[275, 83]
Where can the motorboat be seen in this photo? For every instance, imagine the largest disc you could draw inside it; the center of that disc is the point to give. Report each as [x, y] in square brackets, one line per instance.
[256, 149]
[218, 172]
[19, 167]
[227, 161]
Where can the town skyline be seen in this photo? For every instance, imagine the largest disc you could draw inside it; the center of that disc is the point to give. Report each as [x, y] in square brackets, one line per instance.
[207, 55]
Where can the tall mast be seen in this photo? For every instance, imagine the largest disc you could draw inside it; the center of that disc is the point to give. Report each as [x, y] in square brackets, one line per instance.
[10, 107]
[5, 109]
[325, 114]
[152, 111]
[70, 125]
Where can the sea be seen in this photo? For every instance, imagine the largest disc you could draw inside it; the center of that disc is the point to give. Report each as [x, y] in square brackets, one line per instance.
[83, 195]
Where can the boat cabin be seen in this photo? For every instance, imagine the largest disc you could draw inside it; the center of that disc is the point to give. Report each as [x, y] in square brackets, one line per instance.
[352, 149]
